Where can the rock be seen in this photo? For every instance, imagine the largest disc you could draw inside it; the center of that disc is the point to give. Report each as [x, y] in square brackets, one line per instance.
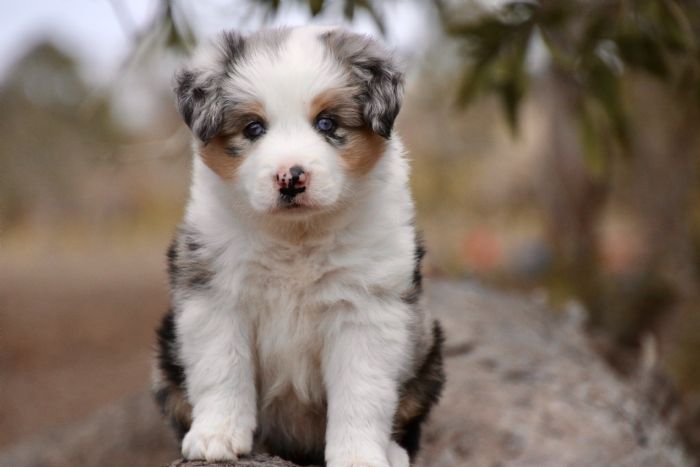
[258, 460]
[129, 432]
[525, 388]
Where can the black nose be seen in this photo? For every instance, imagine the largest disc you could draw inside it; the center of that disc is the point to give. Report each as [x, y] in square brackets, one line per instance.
[294, 183]
[296, 172]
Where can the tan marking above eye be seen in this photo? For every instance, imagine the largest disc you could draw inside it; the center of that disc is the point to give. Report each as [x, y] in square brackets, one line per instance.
[242, 114]
[339, 102]
[251, 107]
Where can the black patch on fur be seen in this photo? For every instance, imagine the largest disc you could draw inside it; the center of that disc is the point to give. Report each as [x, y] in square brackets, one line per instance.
[167, 351]
[199, 280]
[424, 390]
[198, 94]
[172, 262]
[186, 103]
[172, 375]
[193, 245]
[233, 46]
[418, 256]
[410, 440]
[412, 295]
[376, 75]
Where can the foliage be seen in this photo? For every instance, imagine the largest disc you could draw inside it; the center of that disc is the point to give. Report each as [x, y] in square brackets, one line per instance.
[179, 32]
[316, 7]
[592, 46]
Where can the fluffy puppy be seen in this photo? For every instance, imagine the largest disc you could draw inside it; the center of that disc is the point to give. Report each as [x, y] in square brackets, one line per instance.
[296, 324]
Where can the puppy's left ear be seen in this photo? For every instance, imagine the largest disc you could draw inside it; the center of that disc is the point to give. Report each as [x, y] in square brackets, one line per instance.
[198, 86]
[376, 74]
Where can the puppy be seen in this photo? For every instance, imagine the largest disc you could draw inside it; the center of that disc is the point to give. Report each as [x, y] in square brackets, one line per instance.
[296, 325]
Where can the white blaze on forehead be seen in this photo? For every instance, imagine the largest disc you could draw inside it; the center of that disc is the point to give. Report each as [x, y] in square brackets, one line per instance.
[285, 80]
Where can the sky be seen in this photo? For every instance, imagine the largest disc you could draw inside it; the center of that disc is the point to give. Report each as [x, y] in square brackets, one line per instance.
[100, 33]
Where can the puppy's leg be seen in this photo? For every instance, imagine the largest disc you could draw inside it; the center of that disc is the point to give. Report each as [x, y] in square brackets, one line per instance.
[362, 361]
[216, 353]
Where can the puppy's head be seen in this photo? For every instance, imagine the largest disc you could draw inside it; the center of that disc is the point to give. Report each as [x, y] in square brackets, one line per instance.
[291, 120]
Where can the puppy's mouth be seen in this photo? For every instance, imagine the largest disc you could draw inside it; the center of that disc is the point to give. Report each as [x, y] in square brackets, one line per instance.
[293, 200]
[291, 195]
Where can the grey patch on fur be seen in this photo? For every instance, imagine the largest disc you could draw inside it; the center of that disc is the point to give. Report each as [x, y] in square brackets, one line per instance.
[187, 269]
[375, 73]
[200, 94]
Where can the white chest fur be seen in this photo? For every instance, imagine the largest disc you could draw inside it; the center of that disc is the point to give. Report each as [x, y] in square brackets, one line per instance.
[293, 295]
[293, 299]
[288, 323]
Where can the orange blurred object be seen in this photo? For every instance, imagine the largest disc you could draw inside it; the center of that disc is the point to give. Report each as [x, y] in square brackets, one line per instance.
[482, 250]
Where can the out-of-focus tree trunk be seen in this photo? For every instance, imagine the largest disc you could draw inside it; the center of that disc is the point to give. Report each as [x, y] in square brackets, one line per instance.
[573, 198]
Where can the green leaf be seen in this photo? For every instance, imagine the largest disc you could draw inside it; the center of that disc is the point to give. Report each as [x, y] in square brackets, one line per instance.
[604, 85]
[515, 83]
[472, 82]
[593, 150]
[180, 34]
[642, 51]
[498, 46]
[674, 27]
[511, 95]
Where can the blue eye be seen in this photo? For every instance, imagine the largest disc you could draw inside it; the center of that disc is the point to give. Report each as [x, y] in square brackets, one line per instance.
[254, 130]
[326, 125]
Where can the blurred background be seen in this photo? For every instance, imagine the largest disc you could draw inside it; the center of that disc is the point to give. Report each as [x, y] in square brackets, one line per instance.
[555, 147]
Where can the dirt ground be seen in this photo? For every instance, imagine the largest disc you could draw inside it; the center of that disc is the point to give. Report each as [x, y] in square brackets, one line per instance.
[76, 332]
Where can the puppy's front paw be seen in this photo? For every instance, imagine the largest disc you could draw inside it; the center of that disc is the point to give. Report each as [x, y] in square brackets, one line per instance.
[216, 445]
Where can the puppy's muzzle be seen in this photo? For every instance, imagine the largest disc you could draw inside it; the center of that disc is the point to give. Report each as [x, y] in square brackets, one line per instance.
[291, 181]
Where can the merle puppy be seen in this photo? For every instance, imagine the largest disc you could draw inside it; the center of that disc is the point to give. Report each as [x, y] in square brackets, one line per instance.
[296, 325]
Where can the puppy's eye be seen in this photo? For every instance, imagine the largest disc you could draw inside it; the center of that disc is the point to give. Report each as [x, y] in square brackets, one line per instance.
[326, 125]
[254, 130]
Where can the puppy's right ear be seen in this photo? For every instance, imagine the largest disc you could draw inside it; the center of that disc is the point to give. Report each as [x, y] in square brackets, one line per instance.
[376, 73]
[198, 86]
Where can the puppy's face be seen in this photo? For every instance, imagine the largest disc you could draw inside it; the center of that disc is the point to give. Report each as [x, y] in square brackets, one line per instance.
[291, 120]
